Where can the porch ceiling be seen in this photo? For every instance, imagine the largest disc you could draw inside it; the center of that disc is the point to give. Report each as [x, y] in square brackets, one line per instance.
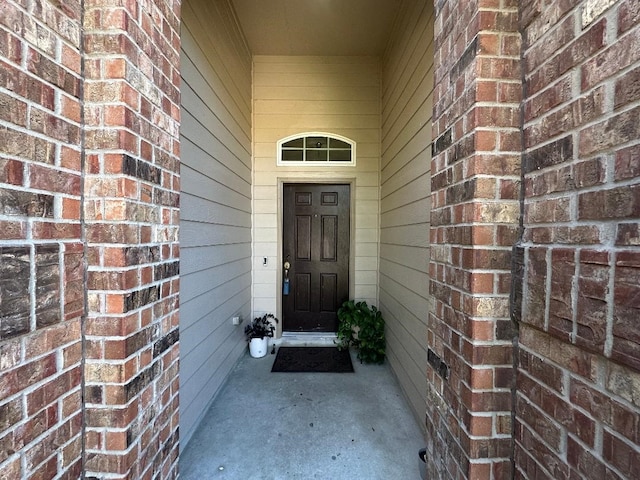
[316, 27]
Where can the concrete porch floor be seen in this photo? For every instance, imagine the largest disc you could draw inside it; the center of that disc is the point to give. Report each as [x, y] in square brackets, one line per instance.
[268, 426]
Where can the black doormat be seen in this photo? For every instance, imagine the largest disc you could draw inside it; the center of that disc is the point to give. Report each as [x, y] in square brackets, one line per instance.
[312, 359]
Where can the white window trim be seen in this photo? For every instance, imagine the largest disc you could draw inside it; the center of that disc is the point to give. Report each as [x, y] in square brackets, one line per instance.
[328, 163]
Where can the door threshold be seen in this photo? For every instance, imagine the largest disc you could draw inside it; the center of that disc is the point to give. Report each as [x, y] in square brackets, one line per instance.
[304, 339]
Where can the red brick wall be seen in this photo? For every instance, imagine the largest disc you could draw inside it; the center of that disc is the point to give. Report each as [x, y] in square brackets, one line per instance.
[578, 402]
[132, 189]
[41, 299]
[89, 203]
[475, 210]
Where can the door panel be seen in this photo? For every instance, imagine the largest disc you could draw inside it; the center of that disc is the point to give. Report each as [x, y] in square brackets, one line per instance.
[302, 292]
[329, 238]
[303, 237]
[316, 244]
[328, 292]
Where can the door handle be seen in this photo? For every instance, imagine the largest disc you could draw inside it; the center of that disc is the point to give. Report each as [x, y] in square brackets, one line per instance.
[285, 280]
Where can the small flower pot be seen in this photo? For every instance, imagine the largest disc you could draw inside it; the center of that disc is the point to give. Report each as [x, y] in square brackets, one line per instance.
[258, 347]
[422, 455]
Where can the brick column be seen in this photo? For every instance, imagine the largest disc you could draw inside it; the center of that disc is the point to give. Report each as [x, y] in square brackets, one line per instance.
[41, 274]
[131, 212]
[578, 403]
[475, 213]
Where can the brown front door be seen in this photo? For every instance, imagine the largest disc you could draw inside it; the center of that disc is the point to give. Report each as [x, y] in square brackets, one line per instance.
[316, 245]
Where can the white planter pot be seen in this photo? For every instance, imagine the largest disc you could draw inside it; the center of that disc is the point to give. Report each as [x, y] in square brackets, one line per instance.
[258, 347]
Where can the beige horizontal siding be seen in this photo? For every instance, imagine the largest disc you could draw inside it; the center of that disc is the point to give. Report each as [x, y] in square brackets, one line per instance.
[404, 201]
[296, 95]
[215, 225]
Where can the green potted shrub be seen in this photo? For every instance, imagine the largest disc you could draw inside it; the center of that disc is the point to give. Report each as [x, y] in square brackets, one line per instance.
[362, 327]
[258, 333]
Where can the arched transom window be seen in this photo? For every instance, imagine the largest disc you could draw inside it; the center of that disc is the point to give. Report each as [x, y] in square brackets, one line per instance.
[316, 149]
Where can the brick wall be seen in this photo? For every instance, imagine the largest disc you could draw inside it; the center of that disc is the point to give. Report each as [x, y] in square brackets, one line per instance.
[132, 215]
[88, 238]
[475, 211]
[41, 299]
[578, 403]
[89, 247]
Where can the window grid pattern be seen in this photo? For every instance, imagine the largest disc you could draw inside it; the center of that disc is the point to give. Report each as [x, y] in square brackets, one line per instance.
[316, 149]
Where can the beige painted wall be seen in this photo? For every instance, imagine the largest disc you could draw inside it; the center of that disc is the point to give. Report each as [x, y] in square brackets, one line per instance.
[215, 227]
[407, 81]
[338, 95]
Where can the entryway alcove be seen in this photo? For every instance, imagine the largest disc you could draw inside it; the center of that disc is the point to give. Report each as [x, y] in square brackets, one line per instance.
[254, 73]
